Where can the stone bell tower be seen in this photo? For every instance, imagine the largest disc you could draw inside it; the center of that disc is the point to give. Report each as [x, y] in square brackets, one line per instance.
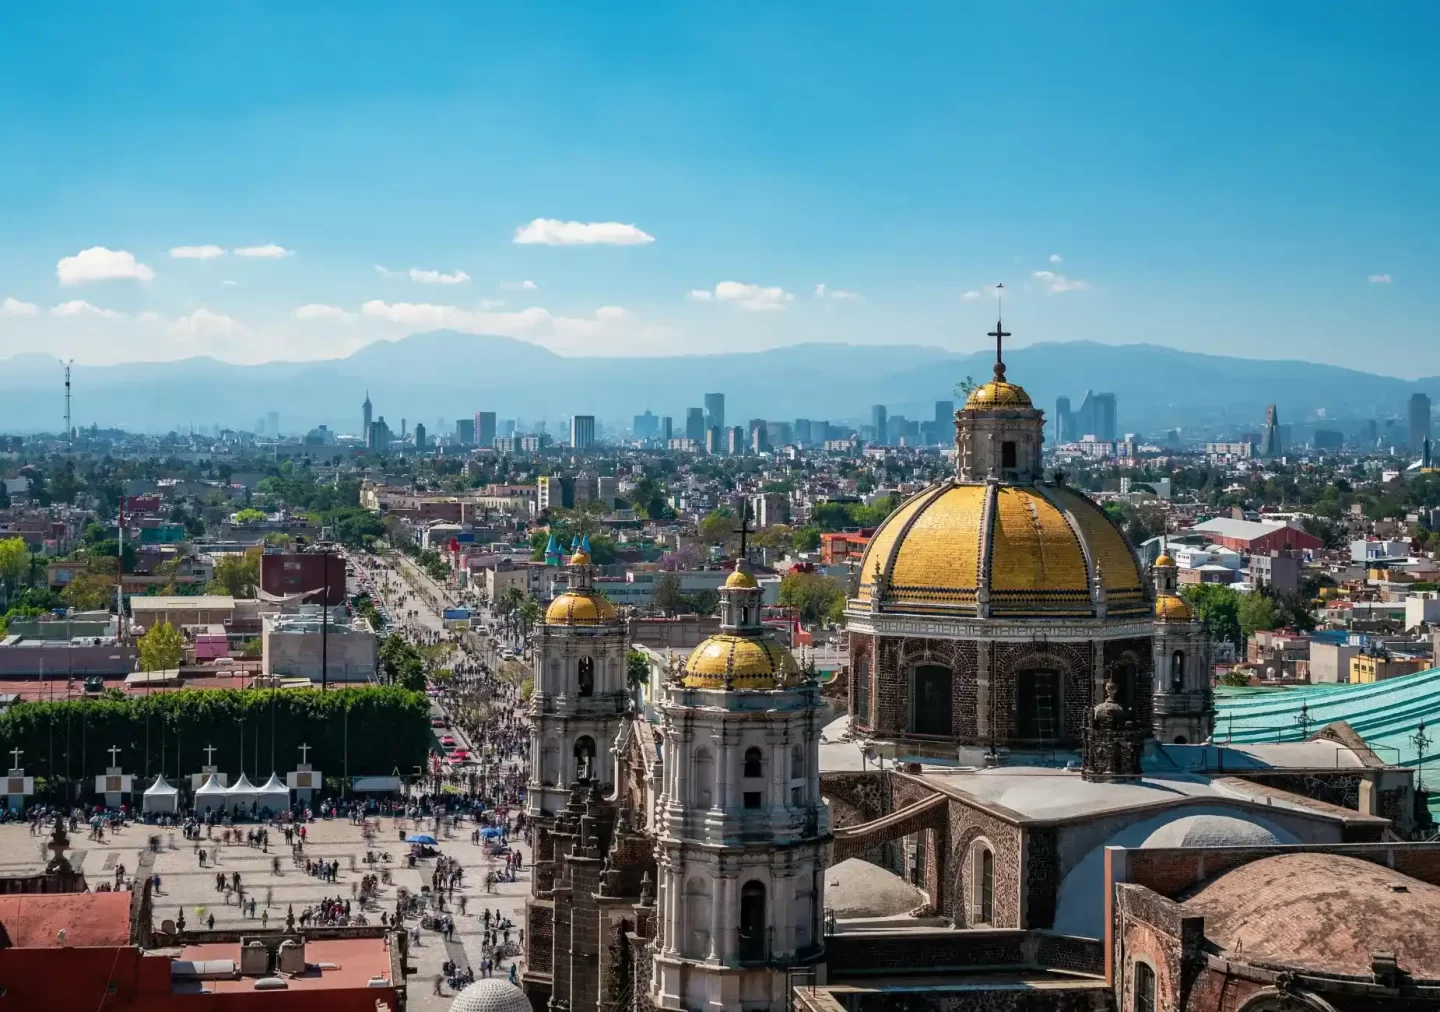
[1183, 707]
[743, 836]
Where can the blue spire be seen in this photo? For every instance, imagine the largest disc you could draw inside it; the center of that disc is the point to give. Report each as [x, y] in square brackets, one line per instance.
[585, 543]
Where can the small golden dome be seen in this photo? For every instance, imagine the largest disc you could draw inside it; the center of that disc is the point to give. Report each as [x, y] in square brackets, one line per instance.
[580, 559]
[1170, 606]
[1165, 560]
[998, 394]
[578, 608]
[740, 578]
[749, 662]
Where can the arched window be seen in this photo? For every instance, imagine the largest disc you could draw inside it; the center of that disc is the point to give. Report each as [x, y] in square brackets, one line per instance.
[797, 762]
[1177, 671]
[1144, 987]
[1037, 705]
[754, 925]
[754, 763]
[1126, 674]
[931, 700]
[862, 690]
[985, 887]
[586, 676]
[744, 616]
[584, 757]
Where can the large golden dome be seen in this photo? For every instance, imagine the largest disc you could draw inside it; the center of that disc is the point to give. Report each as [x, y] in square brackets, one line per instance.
[1041, 547]
[746, 662]
[576, 607]
[998, 394]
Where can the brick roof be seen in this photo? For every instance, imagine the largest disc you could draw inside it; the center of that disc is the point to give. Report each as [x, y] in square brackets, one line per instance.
[34, 920]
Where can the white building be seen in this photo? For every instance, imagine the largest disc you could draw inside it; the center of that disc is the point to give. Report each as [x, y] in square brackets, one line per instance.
[743, 837]
[293, 646]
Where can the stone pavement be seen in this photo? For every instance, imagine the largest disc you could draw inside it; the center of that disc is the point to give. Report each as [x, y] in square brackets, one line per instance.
[183, 883]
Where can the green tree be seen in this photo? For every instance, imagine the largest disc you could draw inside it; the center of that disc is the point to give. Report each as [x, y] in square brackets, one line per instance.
[161, 649]
[668, 596]
[88, 591]
[806, 539]
[813, 595]
[1256, 611]
[1235, 678]
[236, 575]
[1218, 607]
[14, 563]
[250, 515]
[637, 669]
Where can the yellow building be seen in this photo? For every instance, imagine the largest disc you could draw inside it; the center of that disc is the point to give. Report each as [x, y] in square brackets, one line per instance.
[1368, 668]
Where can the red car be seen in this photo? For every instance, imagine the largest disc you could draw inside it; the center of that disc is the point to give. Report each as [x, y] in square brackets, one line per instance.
[459, 755]
[448, 740]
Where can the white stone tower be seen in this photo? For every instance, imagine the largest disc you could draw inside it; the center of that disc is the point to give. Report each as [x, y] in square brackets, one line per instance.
[1183, 708]
[743, 837]
[580, 696]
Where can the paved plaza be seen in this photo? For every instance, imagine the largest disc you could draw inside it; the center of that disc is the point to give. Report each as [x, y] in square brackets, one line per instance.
[184, 884]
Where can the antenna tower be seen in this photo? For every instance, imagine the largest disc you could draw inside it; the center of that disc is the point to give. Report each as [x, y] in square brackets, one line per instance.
[69, 430]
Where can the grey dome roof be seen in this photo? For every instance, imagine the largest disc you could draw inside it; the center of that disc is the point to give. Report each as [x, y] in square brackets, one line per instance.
[857, 888]
[1211, 831]
[491, 995]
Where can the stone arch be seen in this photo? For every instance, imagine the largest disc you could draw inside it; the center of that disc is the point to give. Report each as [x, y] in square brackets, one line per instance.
[585, 758]
[1047, 719]
[954, 903]
[585, 676]
[932, 699]
[981, 897]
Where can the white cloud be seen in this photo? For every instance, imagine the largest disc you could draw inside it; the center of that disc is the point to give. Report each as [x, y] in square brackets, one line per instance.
[756, 298]
[79, 307]
[554, 232]
[970, 296]
[701, 294]
[229, 283]
[490, 303]
[836, 294]
[267, 252]
[1054, 284]
[14, 307]
[204, 323]
[534, 323]
[1054, 258]
[207, 252]
[320, 311]
[425, 277]
[611, 313]
[100, 264]
[149, 316]
[1379, 279]
[518, 286]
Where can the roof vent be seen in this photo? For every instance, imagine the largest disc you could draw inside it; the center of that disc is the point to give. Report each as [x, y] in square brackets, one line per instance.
[271, 984]
[378, 982]
[1398, 887]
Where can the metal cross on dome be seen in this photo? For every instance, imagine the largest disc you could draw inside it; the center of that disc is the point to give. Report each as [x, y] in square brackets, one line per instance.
[744, 529]
[999, 334]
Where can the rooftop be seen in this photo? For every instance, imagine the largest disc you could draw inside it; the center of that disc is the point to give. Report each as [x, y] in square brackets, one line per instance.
[35, 920]
[182, 603]
[329, 963]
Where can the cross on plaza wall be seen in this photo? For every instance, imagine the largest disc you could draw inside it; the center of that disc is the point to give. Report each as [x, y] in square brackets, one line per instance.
[304, 752]
[16, 753]
[112, 750]
[209, 751]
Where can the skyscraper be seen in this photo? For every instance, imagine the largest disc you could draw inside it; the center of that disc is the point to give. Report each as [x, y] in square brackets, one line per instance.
[714, 411]
[366, 412]
[945, 412]
[877, 421]
[695, 425]
[1096, 417]
[667, 428]
[1270, 438]
[1064, 423]
[1419, 421]
[582, 432]
[646, 426]
[420, 435]
[272, 423]
[465, 431]
[485, 429]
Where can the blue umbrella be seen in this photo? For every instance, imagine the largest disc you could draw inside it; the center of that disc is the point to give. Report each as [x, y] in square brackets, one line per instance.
[422, 838]
[489, 831]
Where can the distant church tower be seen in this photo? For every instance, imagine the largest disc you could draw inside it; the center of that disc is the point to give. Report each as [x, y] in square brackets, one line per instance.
[368, 412]
[743, 837]
[1183, 710]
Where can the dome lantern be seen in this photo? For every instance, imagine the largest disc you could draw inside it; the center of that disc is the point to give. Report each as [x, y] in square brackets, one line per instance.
[999, 431]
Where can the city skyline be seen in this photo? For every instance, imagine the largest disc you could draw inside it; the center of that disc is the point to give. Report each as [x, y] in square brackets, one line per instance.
[1276, 201]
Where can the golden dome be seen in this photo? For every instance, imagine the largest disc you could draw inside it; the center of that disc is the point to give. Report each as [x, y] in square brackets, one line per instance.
[749, 662]
[1043, 546]
[740, 578]
[1165, 560]
[580, 559]
[1173, 607]
[998, 394]
[578, 608]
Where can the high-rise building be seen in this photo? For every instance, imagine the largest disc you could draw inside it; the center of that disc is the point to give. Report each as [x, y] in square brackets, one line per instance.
[1270, 437]
[485, 429]
[1064, 423]
[714, 440]
[1096, 417]
[802, 432]
[646, 426]
[945, 414]
[272, 423]
[420, 435]
[366, 413]
[779, 433]
[714, 411]
[878, 423]
[507, 427]
[735, 441]
[667, 429]
[759, 436]
[377, 440]
[465, 431]
[1419, 422]
[695, 425]
[582, 432]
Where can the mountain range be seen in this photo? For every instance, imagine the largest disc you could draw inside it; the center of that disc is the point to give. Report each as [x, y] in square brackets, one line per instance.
[445, 375]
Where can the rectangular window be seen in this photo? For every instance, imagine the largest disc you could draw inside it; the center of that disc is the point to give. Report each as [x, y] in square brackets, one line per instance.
[1144, 988]
[752, 799]
[1007, 455]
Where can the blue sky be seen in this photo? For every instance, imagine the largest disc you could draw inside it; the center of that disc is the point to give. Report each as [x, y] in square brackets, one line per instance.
[1252, 179]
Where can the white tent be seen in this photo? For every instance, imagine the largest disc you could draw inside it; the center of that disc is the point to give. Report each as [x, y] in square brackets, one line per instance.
[210, 796]
[160, 796]
[240, 795]
[274, 795]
